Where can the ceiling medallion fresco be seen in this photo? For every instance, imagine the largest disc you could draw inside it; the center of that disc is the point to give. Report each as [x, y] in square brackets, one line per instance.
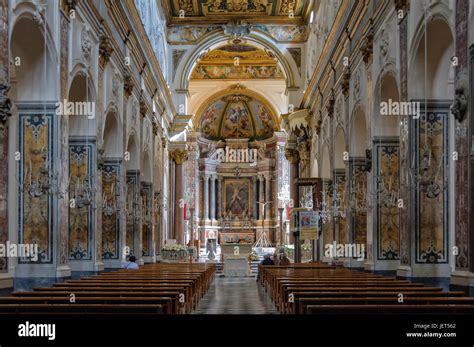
[237, 115]
[237, 62]
[253, 10]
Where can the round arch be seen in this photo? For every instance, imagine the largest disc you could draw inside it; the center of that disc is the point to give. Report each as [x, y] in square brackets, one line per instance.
[80, 90]
[112, 136]
[386, 91]
[216, 40]
[439, 69]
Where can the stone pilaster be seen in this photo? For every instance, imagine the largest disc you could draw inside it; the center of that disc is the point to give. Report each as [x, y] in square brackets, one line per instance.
[5, 113]
[463, 276]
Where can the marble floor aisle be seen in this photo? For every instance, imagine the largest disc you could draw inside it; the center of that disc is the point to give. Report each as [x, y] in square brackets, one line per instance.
[238, 295]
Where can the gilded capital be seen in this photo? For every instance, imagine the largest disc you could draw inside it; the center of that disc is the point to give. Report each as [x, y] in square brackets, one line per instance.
[179, 155]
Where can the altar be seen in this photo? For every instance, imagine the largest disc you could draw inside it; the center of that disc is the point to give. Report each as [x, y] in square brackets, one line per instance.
[235, 257]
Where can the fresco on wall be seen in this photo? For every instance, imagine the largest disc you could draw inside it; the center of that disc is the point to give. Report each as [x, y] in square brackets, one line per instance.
[237, 61]
[80, 216]
[35, 203]
[241, 72]
[388, 215]
[110, 217]
[237, 116]
[188, 34]
[236, 121]
[285, 33]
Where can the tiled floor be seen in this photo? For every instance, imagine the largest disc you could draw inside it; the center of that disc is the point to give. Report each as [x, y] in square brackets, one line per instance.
[235, 296]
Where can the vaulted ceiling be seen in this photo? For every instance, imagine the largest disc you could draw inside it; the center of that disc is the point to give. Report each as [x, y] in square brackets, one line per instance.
[208, 12]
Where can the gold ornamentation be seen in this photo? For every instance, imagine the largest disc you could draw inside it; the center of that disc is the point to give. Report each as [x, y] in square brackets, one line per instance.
[179, 156]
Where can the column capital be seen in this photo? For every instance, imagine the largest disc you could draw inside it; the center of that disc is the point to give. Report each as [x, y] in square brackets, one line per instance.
[105, 48]
[292, 155]
[204, 176]
[179, 155]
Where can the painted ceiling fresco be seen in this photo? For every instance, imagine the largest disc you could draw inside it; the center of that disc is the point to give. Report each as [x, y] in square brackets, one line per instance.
[237, 116]
[252, 10]
[237, 62]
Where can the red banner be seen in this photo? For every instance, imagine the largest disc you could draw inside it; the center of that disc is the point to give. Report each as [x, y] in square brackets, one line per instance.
[184, 211]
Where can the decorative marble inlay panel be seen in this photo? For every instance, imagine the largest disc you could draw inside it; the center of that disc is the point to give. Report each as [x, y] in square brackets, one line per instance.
[81, 189]
[146, 203]
[388, 231]
[110, 217]
[132, 207]
[36, 162]
[431, 200]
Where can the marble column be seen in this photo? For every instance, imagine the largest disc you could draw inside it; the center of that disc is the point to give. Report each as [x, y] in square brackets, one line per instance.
[213, 197]
[292, 156]
[219, 196]
[463, 276]
[268, 194]
[179, 156]
[255, 198]
[261, 195]
[205, 194]
[404, 269]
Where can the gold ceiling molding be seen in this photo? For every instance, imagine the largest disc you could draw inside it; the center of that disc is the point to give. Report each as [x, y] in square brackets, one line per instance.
[209, 12]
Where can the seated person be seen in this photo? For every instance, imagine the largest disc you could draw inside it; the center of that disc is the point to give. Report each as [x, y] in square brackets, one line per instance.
[284, 261]
[131, 265]
[267, 260]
